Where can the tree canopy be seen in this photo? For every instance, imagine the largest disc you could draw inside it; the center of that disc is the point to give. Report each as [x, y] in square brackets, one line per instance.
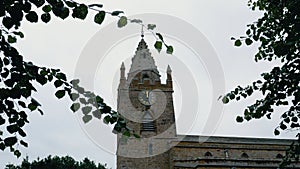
[278, 35]
[57, 163]
[19, 78]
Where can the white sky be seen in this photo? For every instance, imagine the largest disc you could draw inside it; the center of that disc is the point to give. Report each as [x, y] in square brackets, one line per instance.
[64, 44]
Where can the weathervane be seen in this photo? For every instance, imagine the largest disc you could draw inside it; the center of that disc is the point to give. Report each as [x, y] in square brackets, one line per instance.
[142, 32]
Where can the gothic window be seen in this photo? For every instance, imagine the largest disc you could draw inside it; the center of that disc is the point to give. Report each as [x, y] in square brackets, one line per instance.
[244, 155]
[208, 154]
[145, 76]
[147, 122]
[279, 156]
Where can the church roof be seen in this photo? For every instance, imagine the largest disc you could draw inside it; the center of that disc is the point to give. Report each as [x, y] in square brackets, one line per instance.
[142, 60]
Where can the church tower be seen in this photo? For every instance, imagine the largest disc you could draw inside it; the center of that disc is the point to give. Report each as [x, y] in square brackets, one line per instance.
[147, 106]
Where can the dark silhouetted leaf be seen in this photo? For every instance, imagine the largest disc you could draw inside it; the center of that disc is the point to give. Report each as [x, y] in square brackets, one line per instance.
[151, 26]
[169, 49]
[97, 114]
[10, 141]
[24, 143]
[32, 106]
[80, 11]
[60, 94]
[158, 45]
[87, 118]
[96, 5]
[58, 83]
[239, 119]
[116, 13]
[32, 16]
[46, 17]
[47, 8]
[237, 43]
[86, 109]
[75, 106]
[248, 41]
[74, 96]
[99, 17]
[11, 39]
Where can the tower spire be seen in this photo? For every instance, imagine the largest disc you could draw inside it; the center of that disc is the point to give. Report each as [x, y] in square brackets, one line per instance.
[142, 60]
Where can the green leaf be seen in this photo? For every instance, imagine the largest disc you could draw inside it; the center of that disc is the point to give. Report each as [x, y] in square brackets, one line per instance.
[239, 119]
[86, 109]
[80, 11]
[87, 118]
[74, 107]
[60, 94]
[24, 143]
[122, 22]
[248, 41]
[19, 34]
[17, 153]
[151, 26]
[276, 132]
[11, 39]
[8, 22]
[74, 96]
[158, 45]
[96, 5]
[32, 17]
[63, 13]
[74, 82]
[83, 101]
[61, 76]
[58, 83]
[106, 119]
[97, 114]
[136, 21]
[283, 126]
[71, 4]
[99, 17]
[116, 13]
[32, 106]
[170, 49]
[47, 8]
[237, 43]
[10, 141]
[99, 99]
[225, 100]
[12, 128]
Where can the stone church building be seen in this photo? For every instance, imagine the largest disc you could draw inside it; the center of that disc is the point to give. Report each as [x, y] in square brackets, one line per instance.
[147, 105]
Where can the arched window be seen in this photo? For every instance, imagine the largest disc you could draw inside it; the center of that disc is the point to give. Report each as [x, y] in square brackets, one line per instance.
[244, 155]
[145, 76]
[147, 122]
[208, 154]
[279, 156]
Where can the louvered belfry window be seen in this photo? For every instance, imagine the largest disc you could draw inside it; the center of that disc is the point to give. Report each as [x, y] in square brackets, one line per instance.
[147, 122]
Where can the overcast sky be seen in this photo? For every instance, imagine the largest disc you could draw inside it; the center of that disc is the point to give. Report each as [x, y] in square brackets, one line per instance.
[67, 45]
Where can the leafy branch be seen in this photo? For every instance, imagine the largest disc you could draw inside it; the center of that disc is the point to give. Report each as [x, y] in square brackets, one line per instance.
[19, 77]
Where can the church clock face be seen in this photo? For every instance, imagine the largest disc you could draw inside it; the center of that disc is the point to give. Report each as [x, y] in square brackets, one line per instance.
[147, 97]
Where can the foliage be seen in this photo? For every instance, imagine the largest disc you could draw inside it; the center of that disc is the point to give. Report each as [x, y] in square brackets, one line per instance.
[278, 33]
[57, 163]
[19, 77]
